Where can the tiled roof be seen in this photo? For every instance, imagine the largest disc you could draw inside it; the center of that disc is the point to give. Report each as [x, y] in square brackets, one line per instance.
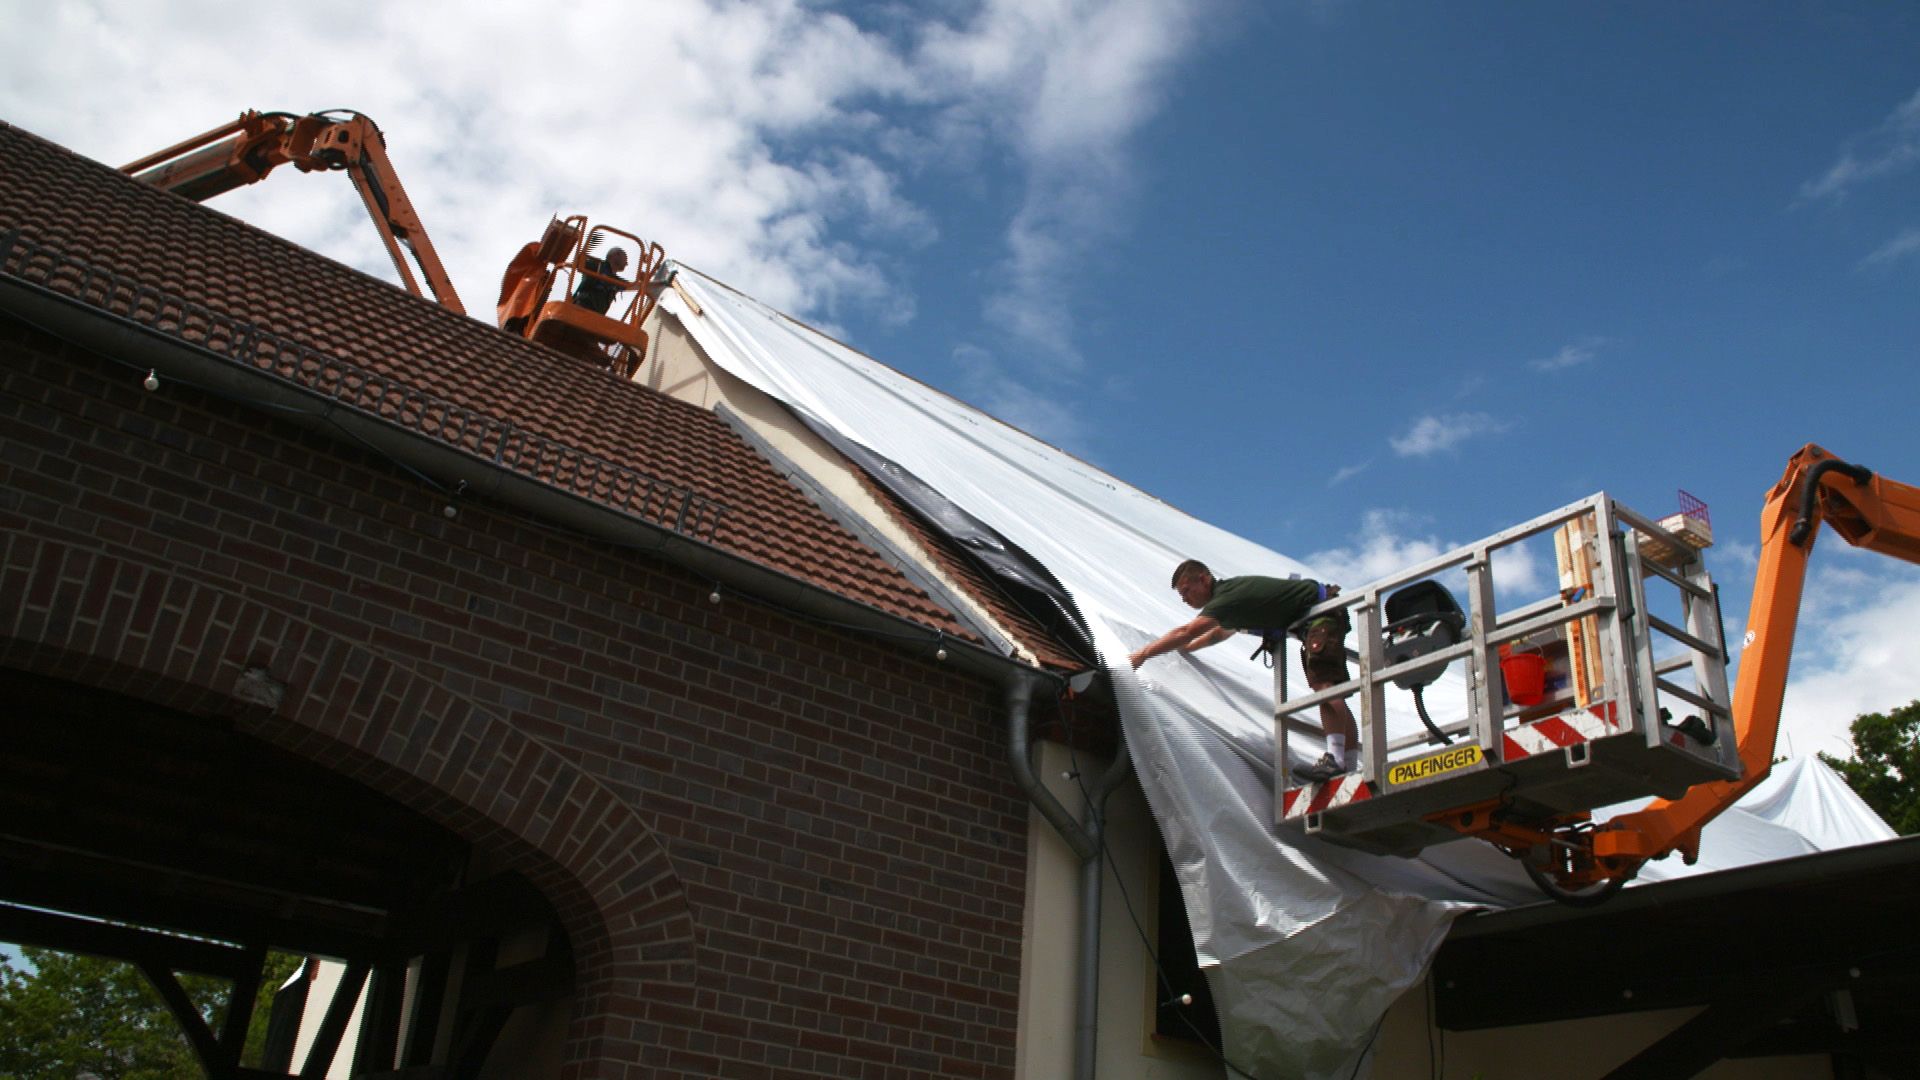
[88, 232]
[1059, 647]
[1016, 620]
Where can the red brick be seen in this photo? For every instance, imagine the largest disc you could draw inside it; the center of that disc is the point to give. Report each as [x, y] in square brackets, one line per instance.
[846, 848]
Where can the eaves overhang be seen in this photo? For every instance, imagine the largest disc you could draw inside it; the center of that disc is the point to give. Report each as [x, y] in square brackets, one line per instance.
[455, 448]
[1776, 952]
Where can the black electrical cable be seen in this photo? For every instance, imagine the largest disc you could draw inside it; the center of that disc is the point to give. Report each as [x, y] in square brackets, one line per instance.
[1133, 916]
[1420, 705]
[1810, 493]
[1367, 1049]
[1436, 1059]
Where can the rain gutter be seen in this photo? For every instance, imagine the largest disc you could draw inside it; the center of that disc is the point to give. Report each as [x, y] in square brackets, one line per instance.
[175, 361]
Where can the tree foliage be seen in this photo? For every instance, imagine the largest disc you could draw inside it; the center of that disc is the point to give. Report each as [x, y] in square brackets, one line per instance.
[1885, 767]
[71, 1016]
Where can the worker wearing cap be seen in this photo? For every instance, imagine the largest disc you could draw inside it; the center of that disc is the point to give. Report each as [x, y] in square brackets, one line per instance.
[1270, 607]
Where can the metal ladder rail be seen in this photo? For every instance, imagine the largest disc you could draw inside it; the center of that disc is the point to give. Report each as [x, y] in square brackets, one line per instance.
[1629, 666]
[1624, 646]
[1702, 641]
[1625, 656]
[1623, 736]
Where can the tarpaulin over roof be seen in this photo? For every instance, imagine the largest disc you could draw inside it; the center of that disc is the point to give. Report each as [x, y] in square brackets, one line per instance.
[1306, 944]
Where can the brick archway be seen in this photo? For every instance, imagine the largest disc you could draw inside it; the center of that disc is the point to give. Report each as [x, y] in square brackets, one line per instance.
[174, 641]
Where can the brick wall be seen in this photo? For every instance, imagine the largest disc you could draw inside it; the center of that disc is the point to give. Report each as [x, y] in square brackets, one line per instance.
[780, 849]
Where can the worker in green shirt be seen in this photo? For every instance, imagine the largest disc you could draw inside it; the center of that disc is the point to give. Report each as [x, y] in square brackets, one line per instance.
[1269, 607]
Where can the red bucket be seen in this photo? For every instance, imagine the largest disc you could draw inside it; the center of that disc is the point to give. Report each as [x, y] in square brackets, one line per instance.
[1526, 675]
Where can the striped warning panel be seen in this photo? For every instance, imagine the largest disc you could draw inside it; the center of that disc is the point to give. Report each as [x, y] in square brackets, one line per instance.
[1315, 798]
[1555, 732]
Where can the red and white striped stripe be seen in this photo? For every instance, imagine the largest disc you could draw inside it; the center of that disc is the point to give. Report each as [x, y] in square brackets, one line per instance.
[1556, 732]
[1315, 798]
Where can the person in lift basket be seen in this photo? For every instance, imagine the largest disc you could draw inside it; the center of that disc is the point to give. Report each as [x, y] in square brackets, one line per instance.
[1269, 607]
[595, 294]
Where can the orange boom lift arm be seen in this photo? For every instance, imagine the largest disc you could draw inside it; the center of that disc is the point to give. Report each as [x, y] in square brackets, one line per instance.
[1521, 781]
[1582, 864]
[1868, 511]
[246, 150]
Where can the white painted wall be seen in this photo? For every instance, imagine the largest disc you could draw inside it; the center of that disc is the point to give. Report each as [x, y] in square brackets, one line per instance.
[675, 366]
[326, 978]
[1049, 974]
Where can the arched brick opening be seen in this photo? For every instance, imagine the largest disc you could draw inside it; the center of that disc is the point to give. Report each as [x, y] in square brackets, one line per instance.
[161, 636]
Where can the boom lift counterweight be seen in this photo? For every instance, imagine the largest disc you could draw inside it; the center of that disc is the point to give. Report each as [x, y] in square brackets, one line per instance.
[1526, 772]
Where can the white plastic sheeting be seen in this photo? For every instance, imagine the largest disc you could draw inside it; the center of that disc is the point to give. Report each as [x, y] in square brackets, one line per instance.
[1802, 807]
[1308, 944]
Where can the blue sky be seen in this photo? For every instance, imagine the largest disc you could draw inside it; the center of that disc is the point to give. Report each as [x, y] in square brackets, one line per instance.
[1359, 280]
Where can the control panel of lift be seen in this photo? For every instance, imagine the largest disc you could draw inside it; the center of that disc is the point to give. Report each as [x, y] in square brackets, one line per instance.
[1609, 688]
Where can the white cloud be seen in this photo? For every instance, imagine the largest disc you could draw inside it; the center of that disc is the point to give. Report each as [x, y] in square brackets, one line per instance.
[1432, 434]
[1383, 544]
[1470, 386]
[1856, 649]
[1890, 148]
[1069, 82]
[1080, 76]
[1346, 473]
[1901, 246]
[1389, 541]
[1569, 356]
[769, 142]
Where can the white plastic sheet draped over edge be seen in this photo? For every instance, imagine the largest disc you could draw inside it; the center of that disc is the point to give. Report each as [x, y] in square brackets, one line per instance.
[1307, 944]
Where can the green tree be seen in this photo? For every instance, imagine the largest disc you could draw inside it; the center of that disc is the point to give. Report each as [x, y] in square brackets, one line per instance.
[1885, 767]
[279, 968]
[70, 1016]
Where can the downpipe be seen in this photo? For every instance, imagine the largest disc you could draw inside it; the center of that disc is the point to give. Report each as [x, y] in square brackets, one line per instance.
[1087, 840]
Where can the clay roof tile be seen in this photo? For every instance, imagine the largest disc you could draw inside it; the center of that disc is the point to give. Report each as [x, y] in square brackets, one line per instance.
[86, 231]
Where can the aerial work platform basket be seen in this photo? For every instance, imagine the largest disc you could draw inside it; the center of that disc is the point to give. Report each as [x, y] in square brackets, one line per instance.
[1612, 687]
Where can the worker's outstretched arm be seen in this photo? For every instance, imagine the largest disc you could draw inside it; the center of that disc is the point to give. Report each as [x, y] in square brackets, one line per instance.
[1212, 637]
[1197, 634]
